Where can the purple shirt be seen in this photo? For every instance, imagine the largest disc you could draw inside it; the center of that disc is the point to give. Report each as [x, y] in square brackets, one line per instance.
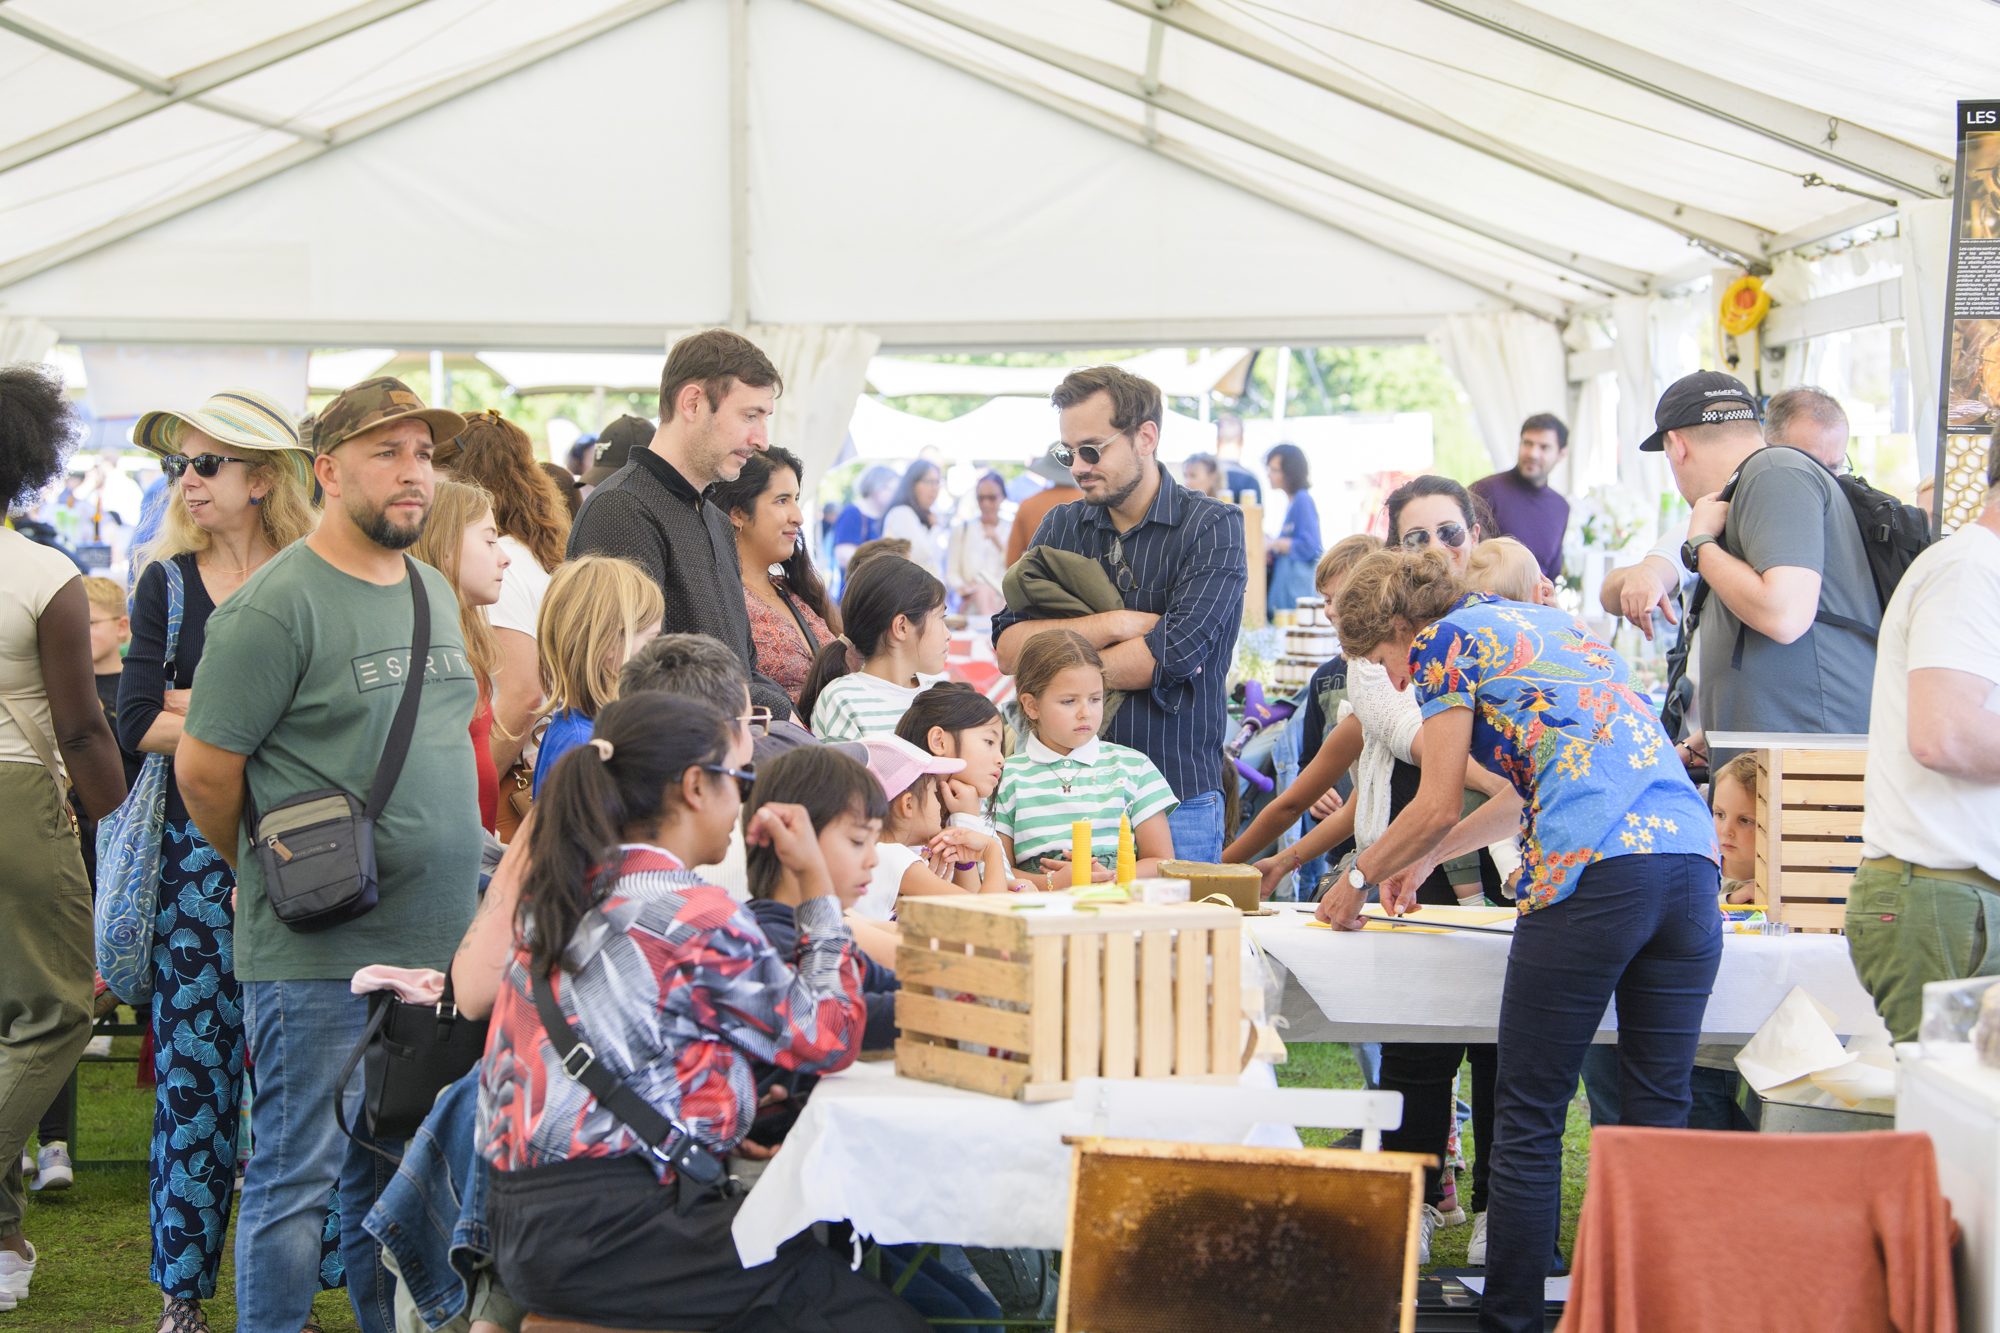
[1534, 516]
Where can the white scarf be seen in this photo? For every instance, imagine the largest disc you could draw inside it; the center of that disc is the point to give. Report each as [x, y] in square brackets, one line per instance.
[1390, 720]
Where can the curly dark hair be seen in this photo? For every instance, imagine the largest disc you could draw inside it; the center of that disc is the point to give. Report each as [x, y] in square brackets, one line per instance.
[38, 429]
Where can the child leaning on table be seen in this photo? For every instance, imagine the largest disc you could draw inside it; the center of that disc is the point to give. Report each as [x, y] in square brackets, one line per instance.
[1065, 772]
[917, 854]
[1732, 795]
[952, 720]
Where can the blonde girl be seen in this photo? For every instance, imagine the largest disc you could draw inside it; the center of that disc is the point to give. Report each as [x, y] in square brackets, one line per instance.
[461, 540]
[1066, 772]
[598, 612]
[1505, 568]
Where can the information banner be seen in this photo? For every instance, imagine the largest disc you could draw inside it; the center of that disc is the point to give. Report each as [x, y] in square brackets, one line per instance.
[1969, 401]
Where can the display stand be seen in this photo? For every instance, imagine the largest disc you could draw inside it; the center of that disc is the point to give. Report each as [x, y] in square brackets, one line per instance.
[1958, 1105]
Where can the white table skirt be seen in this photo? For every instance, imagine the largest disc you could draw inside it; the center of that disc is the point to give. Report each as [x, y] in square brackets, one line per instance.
[1404, 986]
[912, 1162]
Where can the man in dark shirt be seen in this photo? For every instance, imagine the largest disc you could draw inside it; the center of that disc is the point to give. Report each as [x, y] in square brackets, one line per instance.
[1525, 507]
[716, 396]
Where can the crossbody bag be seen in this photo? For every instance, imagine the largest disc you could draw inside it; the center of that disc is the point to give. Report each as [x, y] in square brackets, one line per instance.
[317, 850]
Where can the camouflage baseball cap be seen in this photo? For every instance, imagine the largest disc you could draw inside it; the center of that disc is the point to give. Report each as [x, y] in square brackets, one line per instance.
[373, 403]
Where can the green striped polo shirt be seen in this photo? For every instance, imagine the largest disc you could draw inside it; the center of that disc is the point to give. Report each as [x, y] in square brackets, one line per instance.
[860, 705]
[1104, 781]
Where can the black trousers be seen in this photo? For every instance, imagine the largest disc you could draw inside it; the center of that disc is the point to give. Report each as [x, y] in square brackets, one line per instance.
[602, 1241]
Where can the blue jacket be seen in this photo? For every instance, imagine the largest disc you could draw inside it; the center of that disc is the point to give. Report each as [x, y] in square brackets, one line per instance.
[432, 1215]
[878, 983]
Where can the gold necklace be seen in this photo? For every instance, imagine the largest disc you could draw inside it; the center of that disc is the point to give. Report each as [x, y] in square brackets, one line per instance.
[247, 569]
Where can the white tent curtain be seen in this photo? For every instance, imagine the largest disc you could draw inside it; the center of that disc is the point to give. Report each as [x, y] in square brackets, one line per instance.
[1926, 254]
[125, 381]
[1593, 429]
[1511, 365]
[824, 370]
[24, 339]
[1632, 366]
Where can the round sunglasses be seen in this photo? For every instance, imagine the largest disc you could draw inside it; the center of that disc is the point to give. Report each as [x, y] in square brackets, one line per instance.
[204, 465]
[1451, 534]
[1092, 454]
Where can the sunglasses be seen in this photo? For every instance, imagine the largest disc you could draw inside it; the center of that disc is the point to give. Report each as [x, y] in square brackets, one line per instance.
[205, 465]
[1092, 454]
[746, 777]
[1121, 573]
[1451, 534]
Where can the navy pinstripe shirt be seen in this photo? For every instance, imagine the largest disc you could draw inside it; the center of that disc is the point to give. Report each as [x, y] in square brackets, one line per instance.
[1190, 567]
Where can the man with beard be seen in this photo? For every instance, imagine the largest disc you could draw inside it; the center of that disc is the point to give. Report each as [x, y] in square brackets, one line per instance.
[1179, 559]
[1525, 507]
[301, 676]
[716, 396]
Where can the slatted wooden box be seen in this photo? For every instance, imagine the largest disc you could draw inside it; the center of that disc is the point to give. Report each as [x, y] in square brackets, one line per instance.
[1123, 991]
[1809, 810]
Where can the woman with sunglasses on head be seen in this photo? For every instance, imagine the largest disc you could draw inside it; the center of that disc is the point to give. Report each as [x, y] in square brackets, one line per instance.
[241, 492]
[677, 992]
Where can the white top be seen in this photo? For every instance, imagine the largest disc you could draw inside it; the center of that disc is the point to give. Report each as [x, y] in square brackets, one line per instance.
[1668, 548]
[878, 901]
[1946, 613]
[859, 704]
[35, 574]
[902, 521]
[522, 588]
[1390, 721]
[976, 556]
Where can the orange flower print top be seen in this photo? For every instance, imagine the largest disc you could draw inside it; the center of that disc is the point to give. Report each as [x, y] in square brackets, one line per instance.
[1553, 714]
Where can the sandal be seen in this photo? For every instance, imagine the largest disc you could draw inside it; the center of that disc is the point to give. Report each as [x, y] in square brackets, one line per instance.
[182, 1316]
[312, 1326]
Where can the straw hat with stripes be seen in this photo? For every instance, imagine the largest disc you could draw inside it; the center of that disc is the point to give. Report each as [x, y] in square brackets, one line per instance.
[238, 418]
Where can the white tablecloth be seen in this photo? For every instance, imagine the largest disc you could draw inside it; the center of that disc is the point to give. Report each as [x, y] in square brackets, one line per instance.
[1405, 986]
[912, 1162]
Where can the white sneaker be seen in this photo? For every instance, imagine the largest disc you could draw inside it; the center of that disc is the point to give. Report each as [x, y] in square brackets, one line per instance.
[1475, 1249]
[99, 1048]
[27, 1164]
[1427, 1224]
[15, 1273]
[53, 1169]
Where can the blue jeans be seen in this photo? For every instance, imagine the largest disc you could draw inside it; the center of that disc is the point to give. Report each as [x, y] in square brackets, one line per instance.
[300, 1033]
[1642, 928]
[1713, 1092]
[1196, 824]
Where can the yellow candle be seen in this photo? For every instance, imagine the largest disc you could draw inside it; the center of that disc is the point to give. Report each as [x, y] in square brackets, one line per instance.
[1079, 855]
[1127, 864]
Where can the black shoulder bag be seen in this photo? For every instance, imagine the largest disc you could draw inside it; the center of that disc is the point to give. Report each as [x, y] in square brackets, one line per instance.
[318, 850]
[669, 1140]
[408, 1055]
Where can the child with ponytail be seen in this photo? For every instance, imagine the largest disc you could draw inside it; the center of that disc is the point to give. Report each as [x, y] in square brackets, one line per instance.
[861, 683]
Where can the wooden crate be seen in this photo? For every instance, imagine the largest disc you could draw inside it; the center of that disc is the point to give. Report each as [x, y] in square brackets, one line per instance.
[1808, 834]
[1125, 991]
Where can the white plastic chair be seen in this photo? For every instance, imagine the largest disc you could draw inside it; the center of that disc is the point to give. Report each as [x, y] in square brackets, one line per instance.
[1111, 1100]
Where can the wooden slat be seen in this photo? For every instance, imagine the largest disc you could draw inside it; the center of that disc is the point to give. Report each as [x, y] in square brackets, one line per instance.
[977, 1023]
[1822, 823]
[1815, 884]
[1103, 918]
[1818, 853]
[950, 968]
[1084, 1021]
[942, 918]
[1823, 791]
[1770, 870]
[1814, 916]
[1825, 763]
[1045, 1011]
[1156, 1004]
[1121, 1007]
[1191, 1003]
[1226, 1005]
[960, 1069]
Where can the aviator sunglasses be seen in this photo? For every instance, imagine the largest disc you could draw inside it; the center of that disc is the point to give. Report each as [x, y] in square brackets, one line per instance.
[1092, 454]
[1451, 534]
[204, 465]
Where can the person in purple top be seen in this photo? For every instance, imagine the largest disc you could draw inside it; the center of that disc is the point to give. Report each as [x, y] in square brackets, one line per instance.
[1525, 507]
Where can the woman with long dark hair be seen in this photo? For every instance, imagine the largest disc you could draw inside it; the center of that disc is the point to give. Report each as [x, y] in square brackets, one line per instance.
[910, 515]
[790, 617]
[977, 556]
[676, 992]
[1295, 551]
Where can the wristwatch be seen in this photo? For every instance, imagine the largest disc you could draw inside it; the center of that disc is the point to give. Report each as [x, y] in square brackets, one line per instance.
[1691, 550]
[1355, 879]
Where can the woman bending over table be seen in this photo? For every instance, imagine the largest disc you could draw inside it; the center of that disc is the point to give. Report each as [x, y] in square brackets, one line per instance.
[1618, 893]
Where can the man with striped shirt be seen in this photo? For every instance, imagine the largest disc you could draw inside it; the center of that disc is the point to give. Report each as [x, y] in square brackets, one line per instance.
[1179, 559]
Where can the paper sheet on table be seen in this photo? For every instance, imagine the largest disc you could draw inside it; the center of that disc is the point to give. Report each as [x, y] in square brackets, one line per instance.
[1554, 1289]
[1796, 1041]
[1377, 920]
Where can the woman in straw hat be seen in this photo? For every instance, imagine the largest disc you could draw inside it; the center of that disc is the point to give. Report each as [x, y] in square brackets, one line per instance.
[242, 491]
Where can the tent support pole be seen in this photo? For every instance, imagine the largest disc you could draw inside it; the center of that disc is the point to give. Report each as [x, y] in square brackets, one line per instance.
[739, 165]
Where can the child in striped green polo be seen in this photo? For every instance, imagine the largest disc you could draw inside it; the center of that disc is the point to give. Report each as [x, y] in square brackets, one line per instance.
[893, 646]
[1066, 772]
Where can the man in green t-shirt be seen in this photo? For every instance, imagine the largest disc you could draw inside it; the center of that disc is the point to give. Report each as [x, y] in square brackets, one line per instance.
[301, 675]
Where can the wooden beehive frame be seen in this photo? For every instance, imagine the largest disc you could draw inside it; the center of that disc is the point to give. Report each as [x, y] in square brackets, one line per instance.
[1124, 991]
[1808, 809]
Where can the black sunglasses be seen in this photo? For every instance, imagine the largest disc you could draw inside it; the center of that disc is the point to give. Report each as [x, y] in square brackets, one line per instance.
[1451, 534]
[1092, 454]
[746, 776]
[204, 465]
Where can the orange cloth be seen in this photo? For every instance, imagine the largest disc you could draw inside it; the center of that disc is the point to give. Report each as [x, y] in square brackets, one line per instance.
[1029, 517]
[1686, 1229]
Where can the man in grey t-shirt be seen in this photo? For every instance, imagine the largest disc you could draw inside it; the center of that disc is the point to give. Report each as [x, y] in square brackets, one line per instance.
[1782, 552]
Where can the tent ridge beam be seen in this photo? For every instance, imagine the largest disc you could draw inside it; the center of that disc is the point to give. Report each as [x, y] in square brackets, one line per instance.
[1148, 90]
[79, 50]
[189, 86]
[1732, 237]
[344, 133]
[1899, 165]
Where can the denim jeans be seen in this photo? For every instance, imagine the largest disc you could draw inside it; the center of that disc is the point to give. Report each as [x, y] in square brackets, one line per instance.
[1642, 928]
[1196, 824]
[1713, 1093]
[300, 1033]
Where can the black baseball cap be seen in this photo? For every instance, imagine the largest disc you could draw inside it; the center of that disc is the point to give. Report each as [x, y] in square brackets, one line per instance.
[1700, 399]
[615, 445]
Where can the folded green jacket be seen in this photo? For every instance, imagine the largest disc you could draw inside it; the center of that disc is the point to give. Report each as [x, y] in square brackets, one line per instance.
[1047, 583]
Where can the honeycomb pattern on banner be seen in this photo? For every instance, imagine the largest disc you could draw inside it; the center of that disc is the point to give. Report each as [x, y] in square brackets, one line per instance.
[1964, 480]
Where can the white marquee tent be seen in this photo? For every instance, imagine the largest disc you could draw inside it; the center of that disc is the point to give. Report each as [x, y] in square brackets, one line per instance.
[842, 176]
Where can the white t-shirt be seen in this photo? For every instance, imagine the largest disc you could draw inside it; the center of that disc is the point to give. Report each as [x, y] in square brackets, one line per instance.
[859, 704]
[35, 574]
[902, 521]
[878, 902]
[1946, 613]
[522, 588]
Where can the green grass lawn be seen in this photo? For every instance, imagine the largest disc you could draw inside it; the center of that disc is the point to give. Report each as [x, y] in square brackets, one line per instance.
[95, 1248]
